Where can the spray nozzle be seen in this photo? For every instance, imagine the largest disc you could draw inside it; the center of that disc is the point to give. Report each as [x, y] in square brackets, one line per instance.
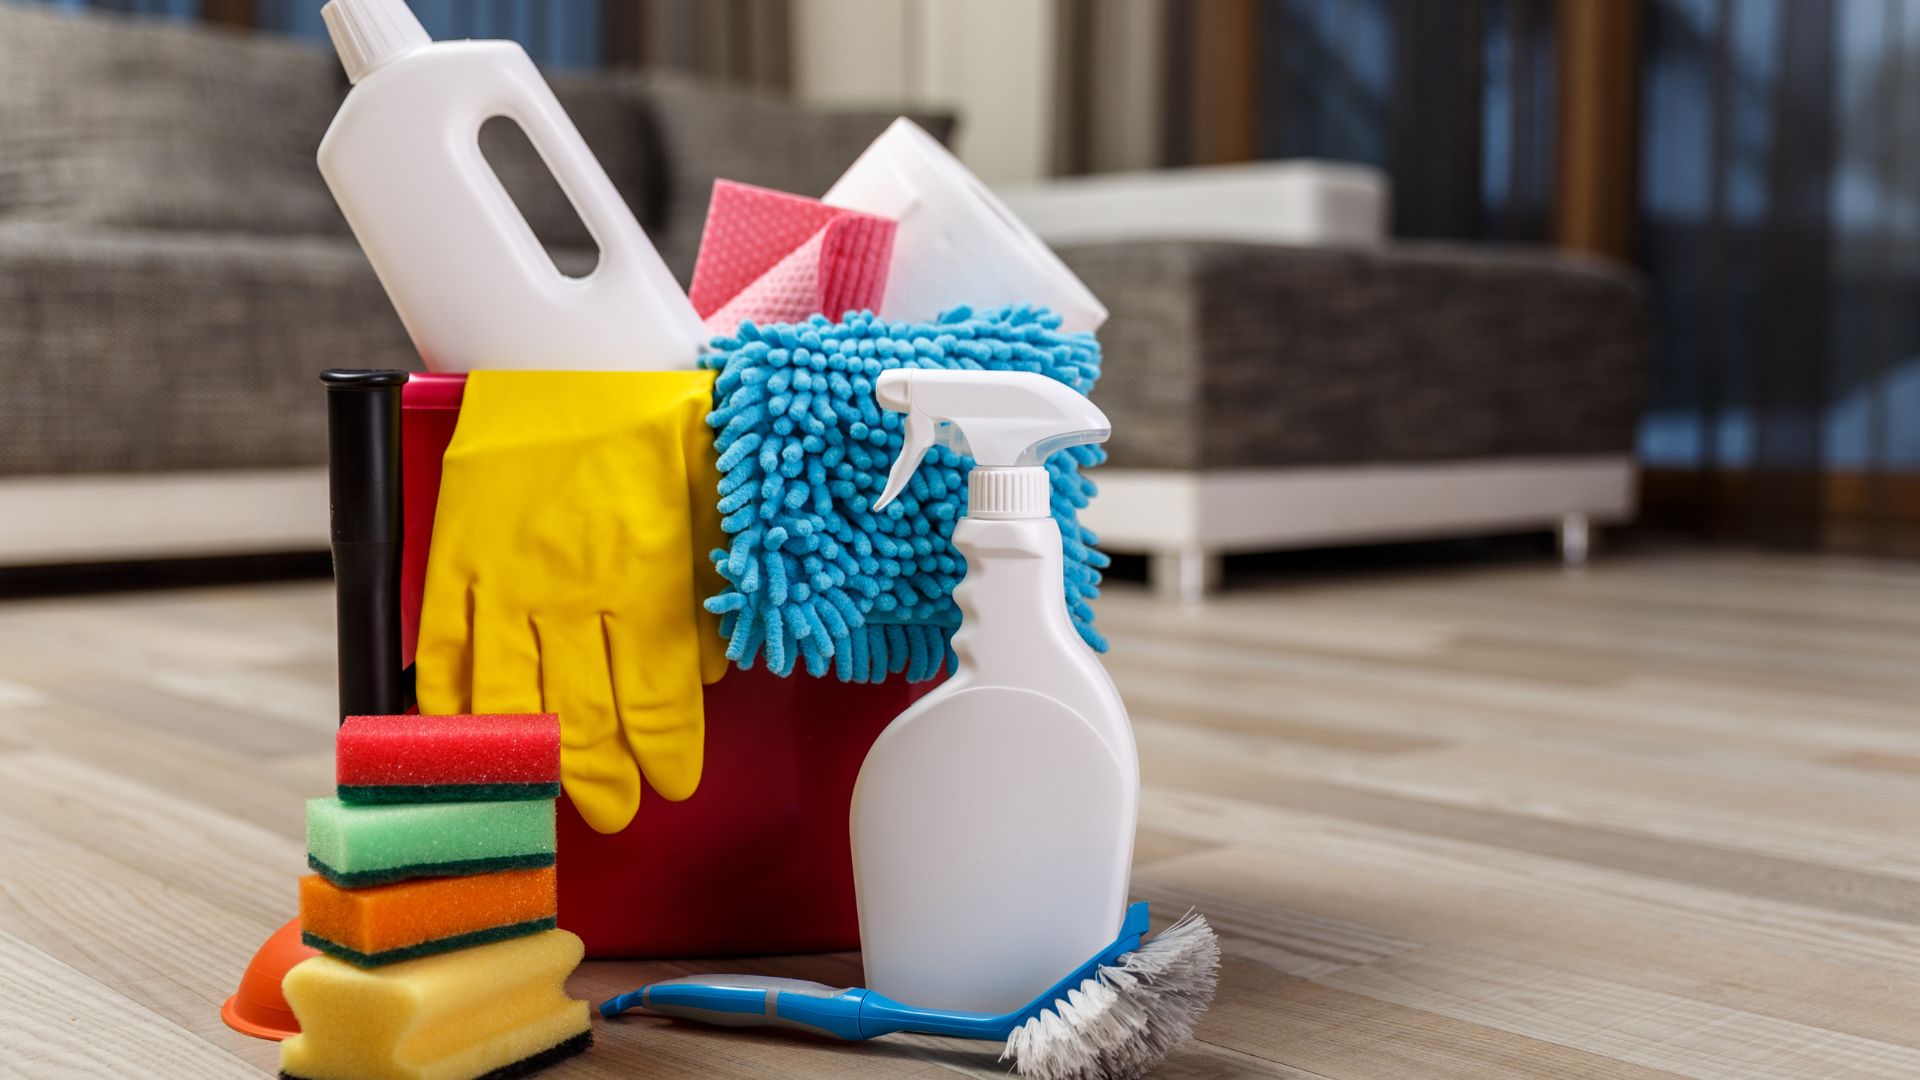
[1002, 419]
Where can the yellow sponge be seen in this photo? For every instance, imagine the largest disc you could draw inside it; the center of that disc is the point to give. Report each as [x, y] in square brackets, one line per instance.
[496, 1010]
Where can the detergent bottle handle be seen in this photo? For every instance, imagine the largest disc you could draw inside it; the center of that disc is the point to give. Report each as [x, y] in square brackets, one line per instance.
[629, 263]
[538, 113]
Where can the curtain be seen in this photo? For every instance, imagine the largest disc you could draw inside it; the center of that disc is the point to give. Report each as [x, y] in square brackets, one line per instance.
[742, 42]
[1453, 99]
[1780, 202]
[1763, 161]
[558, 34]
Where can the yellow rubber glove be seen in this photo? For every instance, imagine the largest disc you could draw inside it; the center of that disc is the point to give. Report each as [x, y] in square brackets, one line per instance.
[568, 564]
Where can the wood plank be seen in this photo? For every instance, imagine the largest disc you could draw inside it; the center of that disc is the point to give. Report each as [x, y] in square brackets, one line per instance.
[238, 785]
[1318, 690]
[1657, 819]
[1331, 1032]
[59, 1022]
[175, 951]
[1786, 929]
[1681, 1035]
[1692, 942]
[1861, 835]
[1903, 765]
[1695, 864]
[243, 868]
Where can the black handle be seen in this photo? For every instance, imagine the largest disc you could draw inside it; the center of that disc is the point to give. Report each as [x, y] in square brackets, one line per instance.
[363, 472]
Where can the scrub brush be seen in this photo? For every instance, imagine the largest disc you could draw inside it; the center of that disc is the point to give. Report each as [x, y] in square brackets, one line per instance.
[1116, 1016]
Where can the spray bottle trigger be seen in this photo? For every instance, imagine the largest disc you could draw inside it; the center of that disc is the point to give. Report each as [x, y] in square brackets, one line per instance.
[919, 434]
[953, 438]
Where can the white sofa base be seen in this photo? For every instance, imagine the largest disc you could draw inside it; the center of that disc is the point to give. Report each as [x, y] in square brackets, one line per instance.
[1185, 521]
[1320, 203]
[51, 520]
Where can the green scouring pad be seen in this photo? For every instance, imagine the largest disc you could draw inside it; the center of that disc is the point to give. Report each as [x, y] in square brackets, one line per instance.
[356, 845]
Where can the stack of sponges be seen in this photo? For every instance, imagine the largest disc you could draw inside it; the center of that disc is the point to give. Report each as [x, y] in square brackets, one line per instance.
[433, 901]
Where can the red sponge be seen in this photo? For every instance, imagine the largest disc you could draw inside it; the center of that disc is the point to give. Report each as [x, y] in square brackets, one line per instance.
[389, 759]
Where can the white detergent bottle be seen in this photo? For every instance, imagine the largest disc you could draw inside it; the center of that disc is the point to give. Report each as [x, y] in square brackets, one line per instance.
[459, 261]
[993, 820]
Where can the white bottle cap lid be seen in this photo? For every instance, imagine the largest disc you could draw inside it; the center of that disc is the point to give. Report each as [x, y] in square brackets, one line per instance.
[999, 494]
[368, 33]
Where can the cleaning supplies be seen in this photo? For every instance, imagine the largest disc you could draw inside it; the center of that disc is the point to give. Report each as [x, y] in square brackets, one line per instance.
[957, 242]
[762, 789]
[354, 845]
[993, 820]
[403, 759]
[1112, 1018]
[257, 1007]
[436, 924]
[495, 1010]
[459, 261]
[770, 257]
[566, 574]
[407, 919]
[364, 523]
[812, 573]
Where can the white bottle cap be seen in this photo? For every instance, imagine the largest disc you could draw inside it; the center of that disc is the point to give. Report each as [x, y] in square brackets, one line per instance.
[995, 494]
[368, 33]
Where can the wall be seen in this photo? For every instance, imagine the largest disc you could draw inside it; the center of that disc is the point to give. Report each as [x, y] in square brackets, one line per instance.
[992, 61]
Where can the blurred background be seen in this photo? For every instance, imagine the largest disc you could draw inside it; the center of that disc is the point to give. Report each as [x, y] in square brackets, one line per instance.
[1516, 422]
[1659, 248]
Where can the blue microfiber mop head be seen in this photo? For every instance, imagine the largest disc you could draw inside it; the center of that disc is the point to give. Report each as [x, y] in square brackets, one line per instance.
[812, 572]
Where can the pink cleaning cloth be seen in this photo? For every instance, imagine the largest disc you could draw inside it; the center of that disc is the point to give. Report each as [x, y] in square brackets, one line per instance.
[769, 256]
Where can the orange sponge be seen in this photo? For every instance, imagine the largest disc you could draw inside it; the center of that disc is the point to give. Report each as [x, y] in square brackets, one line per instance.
[408, 919]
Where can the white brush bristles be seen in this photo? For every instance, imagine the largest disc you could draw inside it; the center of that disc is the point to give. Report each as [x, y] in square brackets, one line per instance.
[1129, 1016]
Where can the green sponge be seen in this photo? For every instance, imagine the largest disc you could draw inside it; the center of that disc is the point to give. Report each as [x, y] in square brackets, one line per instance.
[353, 846]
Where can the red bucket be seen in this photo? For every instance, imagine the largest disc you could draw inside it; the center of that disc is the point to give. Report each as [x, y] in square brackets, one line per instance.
[758, 859]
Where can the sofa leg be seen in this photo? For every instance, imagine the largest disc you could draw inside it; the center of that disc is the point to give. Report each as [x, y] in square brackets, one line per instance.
[1184, 574]
[1576, 540]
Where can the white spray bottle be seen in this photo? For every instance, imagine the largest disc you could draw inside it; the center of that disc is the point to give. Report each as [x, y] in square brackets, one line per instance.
[993, 820]
[459, 261]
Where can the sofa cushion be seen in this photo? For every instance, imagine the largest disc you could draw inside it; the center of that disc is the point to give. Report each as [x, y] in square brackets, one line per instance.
[127, 351]
[1235, 356]
[706, 133]
[108, 120]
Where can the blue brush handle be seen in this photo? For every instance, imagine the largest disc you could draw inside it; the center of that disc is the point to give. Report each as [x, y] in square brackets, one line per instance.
[764, 1001]
[848, 1012]
[750, 1001]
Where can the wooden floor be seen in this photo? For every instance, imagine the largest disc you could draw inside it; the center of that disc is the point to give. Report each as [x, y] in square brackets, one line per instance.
[1660, 818]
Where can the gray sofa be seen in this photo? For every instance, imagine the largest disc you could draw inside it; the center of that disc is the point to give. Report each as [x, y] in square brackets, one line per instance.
[173, 274]
[1279, 397]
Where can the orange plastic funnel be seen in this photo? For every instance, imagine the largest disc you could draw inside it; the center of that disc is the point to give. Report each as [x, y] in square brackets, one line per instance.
[258, 1008]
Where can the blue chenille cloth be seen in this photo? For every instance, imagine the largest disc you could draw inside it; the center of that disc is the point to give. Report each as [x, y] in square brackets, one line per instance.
[813, 575]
